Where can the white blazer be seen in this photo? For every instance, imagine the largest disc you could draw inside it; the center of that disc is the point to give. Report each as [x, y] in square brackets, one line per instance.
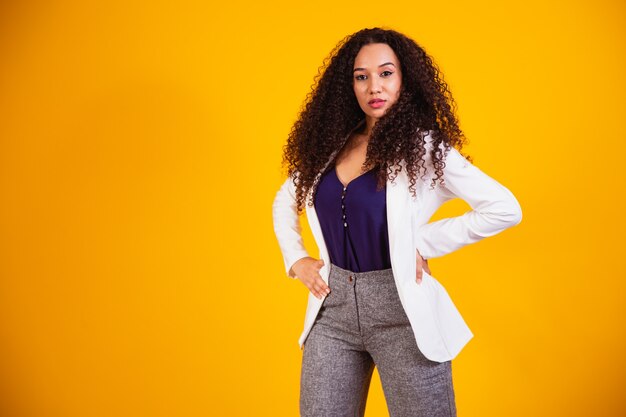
[438, 327]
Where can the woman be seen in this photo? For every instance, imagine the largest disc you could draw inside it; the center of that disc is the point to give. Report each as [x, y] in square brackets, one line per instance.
[372, 156]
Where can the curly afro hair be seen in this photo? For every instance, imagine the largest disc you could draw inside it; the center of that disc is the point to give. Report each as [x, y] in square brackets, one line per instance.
[331, 112]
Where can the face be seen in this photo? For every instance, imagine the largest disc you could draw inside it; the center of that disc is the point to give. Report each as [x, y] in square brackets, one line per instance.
[376, 76]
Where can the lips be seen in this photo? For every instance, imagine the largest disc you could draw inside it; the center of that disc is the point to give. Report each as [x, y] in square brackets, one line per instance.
[376, 103]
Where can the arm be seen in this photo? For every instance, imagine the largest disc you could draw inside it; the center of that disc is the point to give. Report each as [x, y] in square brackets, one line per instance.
[494, 208]
[287, 226]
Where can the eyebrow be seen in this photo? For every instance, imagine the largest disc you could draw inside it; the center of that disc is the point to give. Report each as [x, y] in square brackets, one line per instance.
[381, 65]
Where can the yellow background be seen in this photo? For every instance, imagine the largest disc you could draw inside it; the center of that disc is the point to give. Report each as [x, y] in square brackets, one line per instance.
[140, 147]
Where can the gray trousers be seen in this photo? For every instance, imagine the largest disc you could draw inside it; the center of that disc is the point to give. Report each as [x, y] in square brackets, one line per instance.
[360, 325]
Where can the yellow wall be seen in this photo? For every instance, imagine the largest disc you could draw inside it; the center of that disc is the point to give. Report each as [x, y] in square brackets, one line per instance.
[140, 147]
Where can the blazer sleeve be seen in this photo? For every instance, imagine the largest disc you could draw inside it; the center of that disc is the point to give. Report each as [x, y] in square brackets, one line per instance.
[494, 209]
[287, 226]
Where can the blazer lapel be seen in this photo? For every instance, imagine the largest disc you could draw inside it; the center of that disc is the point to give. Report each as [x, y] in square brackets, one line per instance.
[396, 199]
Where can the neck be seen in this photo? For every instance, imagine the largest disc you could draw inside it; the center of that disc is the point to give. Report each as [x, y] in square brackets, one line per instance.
[369, 125]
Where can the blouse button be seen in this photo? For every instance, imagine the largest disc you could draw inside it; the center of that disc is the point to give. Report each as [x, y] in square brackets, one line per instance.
[345, 224]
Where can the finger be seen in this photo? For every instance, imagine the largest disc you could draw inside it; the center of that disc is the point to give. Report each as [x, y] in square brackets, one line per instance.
[319, 287]
[418, 273]
[422, 264]
[315, 290]
[320, 281]
[323, 286]
[308, 283]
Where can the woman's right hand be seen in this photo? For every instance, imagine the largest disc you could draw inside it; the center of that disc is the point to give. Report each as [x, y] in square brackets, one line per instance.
[307, 271]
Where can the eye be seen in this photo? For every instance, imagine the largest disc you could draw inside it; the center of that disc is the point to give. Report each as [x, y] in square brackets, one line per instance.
[362, 77]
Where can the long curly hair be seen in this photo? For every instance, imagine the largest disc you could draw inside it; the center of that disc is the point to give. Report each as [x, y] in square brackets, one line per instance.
[331, 111]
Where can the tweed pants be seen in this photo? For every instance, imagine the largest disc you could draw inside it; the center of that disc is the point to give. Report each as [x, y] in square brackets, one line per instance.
[362, 325]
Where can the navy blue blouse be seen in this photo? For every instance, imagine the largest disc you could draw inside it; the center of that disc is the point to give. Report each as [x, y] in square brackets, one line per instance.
[353, 221]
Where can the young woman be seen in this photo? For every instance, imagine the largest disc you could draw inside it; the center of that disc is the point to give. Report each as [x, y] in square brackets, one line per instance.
[372, 156]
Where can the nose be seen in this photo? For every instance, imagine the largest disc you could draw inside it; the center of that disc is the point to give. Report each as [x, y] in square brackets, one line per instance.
[375, 85]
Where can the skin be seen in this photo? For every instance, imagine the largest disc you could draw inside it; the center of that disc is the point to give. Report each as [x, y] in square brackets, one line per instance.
[376, 74]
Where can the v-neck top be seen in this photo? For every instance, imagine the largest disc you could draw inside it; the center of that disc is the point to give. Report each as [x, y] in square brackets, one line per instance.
[353, 220]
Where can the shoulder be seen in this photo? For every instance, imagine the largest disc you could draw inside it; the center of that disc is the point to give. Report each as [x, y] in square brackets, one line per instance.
[450, 156]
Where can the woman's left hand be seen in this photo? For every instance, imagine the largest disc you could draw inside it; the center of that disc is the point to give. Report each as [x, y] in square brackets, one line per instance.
[421, 264]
